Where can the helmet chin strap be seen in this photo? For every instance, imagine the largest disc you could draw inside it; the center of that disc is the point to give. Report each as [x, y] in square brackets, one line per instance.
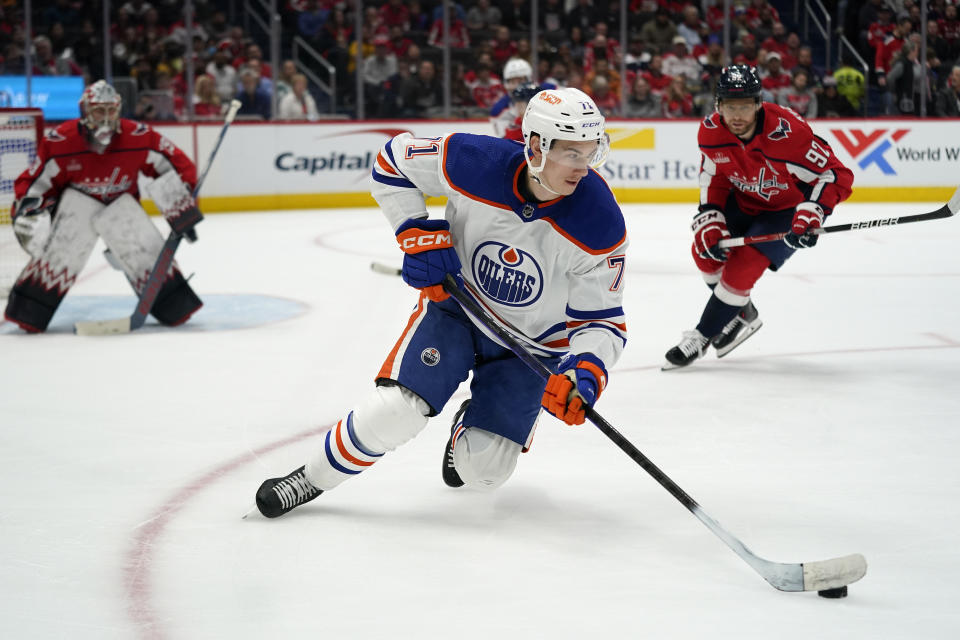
[536, 171]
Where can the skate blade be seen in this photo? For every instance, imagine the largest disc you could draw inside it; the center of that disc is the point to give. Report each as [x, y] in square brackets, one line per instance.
[747, 331]
[252, 510]
[669, 366]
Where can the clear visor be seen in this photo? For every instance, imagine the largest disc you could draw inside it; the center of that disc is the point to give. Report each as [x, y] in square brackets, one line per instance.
[99, 115]
[581, 155]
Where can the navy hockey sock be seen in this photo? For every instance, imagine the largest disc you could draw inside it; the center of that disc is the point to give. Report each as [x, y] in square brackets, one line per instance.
[715, 316]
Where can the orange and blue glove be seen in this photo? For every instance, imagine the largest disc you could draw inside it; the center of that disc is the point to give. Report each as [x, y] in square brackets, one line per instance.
[428, 256]
[581, 380]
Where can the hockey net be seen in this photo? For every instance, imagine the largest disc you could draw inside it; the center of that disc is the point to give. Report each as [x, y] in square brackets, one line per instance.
[20, 134]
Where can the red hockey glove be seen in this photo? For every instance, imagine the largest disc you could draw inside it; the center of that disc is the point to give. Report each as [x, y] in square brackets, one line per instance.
[808, 217]
[582, 380]
[709, 228]
[428, 256]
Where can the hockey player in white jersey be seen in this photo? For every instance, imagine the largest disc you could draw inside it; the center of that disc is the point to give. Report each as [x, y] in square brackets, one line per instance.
[534, 235]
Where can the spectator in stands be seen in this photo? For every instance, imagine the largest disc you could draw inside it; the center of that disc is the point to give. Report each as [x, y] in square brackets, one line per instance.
[602, 69]
[223, 73]
[905, 80]
[867, 16]
[677, 101]
[749, 54]
[422, 94]
[284, 84]
[46, 64]
[643, 103]
[459, 37]
[777, 40]
[483, 16]
[949, 27]
[399, 42]
[660, 31]
[799, 96]
[887, 50]
[691, 26]
[394, 13]
[62, 11]
[657, 80]
[948, 98]
[266, 84]
[515, 15]
[582, 16]
[850, 83]
[254, 52]
[504, 47]
[206, 102]
[937, 50]
[880, 28]
[298, 104]
[773, 77]
[336, 31]
[419, 19]
[833, 105]
[377, 69]
[486, 89]
[598, 47]
[679, 63]
[217, 27]
[552, 18]
[805, 62]
[606, 100]
[135, 10]
[254, 101]
[557, 75]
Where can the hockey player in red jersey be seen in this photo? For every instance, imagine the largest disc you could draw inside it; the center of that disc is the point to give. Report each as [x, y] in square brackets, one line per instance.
[763, 170]
[83, 185]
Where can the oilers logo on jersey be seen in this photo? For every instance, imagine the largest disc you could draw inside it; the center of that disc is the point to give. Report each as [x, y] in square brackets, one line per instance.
[506, 274]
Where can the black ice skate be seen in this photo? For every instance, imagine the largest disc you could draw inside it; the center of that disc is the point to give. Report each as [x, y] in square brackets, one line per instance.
[744, 325]
[277, 496]
[693, 346]
[450, 476]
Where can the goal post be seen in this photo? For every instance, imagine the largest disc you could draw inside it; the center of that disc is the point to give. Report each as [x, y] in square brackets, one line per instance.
[20, 133]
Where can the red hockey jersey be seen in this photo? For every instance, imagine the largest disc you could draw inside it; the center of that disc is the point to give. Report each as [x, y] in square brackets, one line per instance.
[782, 165]
[64, 159]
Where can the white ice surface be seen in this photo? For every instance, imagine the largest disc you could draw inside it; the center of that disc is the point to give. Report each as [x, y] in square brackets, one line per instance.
[126, 462]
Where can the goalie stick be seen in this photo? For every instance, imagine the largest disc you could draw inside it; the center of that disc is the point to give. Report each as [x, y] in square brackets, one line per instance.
[945, 211]
[807, 576]
[148, 295]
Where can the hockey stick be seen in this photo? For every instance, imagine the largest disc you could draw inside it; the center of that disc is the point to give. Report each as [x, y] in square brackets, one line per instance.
[821, 575]
[945, 211]
[148, 295]
[385, 269]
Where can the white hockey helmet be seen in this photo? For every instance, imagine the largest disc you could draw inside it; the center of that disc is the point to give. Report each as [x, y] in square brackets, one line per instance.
[517, 68]
[100, 111]
[563, 114]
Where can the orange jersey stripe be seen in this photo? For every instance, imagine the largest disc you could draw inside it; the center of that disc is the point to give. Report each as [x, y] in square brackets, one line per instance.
[387, 369]
[346, 454]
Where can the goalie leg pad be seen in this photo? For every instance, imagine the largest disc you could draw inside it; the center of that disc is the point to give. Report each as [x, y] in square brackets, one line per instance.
[47, 278]
[483, 459]
[176, 301]
[384, 420]
[131, 237]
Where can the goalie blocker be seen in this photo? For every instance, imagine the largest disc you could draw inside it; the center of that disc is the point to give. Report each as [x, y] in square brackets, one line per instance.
[133, 241]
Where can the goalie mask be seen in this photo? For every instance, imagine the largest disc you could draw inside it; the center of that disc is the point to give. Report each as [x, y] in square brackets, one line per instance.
[100, 112]
[563, 114]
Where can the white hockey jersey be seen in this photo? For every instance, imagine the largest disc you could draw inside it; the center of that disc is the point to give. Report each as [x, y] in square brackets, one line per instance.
[552, 271]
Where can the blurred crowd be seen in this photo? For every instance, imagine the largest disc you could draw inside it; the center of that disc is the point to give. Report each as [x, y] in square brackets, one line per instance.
[667, 67]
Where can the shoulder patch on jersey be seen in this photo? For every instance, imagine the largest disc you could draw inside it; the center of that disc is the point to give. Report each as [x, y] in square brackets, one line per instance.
[709, 123]
[782, 131]
[140, 129]
[55, 136]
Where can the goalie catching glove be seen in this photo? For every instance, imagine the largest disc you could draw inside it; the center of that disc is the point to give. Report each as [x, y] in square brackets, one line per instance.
[31, 224]
[176, 203]
[581, 381]
[807, 219]
[428, 256]
[709, 228]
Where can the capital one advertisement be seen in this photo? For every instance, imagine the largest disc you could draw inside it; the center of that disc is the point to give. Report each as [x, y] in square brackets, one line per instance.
[328, 164]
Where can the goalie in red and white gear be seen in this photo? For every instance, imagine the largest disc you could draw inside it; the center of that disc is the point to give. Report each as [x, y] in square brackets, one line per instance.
[763, 171]
[83, 186]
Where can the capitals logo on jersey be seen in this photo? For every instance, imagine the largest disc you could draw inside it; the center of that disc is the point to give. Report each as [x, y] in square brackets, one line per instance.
[506, 274]
[763, 187]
